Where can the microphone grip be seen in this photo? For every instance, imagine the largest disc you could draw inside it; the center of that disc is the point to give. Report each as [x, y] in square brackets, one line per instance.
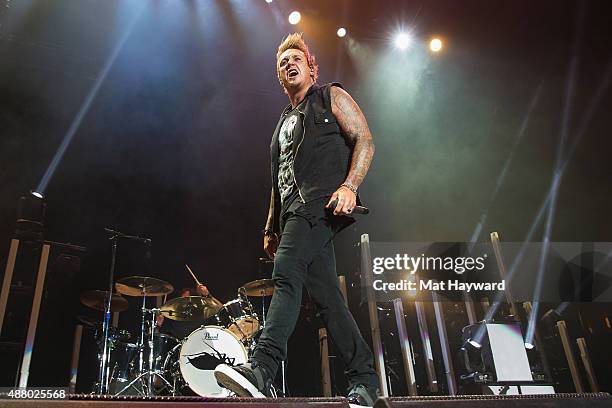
[361, 210]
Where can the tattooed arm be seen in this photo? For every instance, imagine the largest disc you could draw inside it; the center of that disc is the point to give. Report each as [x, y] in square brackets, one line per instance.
[355, 129]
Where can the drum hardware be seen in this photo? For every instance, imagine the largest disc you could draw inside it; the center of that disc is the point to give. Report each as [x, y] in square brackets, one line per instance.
[238, 317]
[260, 287]
[144, 286]
[121, 363]
[98, 299]
[161, 364]
[103, 376]
[191, 308]
[89, 322]
[150, 349]
[119, 351]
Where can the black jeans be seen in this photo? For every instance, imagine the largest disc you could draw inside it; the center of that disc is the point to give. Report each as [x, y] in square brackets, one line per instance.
[305, 257]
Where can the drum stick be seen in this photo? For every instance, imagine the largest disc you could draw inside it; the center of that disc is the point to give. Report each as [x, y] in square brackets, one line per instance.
[191, 272]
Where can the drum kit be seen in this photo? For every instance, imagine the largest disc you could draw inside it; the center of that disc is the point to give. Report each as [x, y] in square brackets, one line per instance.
[160, 364]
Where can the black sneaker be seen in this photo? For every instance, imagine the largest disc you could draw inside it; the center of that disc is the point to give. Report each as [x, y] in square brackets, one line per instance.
[244, 380]
[361, 396]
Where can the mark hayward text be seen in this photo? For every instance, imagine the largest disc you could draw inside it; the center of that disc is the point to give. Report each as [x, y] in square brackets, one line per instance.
[430, 284]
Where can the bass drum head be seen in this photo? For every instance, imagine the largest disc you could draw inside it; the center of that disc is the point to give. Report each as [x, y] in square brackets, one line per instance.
[202, 351]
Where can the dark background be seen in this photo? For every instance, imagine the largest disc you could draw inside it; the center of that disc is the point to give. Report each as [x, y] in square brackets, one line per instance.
[175, 143]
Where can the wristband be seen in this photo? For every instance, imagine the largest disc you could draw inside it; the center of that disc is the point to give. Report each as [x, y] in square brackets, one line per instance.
[267, 231]
[350, 187]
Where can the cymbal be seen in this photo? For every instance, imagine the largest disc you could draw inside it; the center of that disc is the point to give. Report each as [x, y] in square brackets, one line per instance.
[143, 286]
[190, 308]
[97, 299]
[261, 287]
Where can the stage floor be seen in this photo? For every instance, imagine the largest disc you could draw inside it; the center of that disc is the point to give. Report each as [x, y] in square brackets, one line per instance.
[595, 400]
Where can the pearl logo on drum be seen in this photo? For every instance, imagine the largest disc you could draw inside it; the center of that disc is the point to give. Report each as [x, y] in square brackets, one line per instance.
[208, 336]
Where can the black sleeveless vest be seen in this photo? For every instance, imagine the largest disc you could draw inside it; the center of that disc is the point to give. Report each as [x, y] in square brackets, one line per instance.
[322, 156]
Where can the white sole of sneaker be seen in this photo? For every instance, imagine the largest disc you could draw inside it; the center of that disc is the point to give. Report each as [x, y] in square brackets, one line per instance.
[358, 406]
[232, 380]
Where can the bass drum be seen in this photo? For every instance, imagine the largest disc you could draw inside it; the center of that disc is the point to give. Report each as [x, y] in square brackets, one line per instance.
[202, 351]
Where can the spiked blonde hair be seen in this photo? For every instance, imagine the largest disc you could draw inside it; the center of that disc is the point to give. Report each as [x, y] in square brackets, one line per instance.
[296, 41]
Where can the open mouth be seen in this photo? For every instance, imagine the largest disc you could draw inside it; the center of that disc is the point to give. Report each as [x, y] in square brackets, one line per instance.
[292, 73]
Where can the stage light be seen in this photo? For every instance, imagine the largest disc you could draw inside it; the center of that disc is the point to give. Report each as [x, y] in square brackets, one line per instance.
[402, 41]
[268, 1]
[474, 343]
[341, 32]
[31, 210]
[435, 45]
[294, 17]
[528, 345]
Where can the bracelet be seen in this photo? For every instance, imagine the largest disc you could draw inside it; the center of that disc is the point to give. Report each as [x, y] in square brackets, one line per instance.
[350, 187]
[267, 231]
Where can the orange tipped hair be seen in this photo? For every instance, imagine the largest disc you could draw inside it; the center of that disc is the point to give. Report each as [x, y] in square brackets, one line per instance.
[296, 41]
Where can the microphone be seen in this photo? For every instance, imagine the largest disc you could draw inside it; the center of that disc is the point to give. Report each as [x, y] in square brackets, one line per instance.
[146, 241]
[357, 210]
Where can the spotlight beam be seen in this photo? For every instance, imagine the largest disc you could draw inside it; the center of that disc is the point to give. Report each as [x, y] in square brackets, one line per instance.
[502, 175]
[584, 124]
[570, 91]
[76, 122]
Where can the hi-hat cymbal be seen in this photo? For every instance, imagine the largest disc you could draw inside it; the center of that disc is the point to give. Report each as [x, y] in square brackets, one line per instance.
[97, 299]
[143, 286]
[261, 287]
[191, 308]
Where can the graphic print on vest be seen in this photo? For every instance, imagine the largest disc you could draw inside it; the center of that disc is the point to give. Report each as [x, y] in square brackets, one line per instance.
[285, 160]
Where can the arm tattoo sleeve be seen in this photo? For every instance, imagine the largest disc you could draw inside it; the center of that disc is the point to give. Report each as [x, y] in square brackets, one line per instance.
[355, 129]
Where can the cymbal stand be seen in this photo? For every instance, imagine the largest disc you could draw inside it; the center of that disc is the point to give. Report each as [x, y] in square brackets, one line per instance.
[250, 343]
[104, 372]
[141, 343]
[141, 346]
[150, 372]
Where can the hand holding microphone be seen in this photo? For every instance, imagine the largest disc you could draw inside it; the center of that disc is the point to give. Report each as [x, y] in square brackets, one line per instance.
[358, 209]
[344, 201]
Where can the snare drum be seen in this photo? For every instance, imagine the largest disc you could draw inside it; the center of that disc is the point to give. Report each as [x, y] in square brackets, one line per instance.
[238, 317]
[202, 351]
